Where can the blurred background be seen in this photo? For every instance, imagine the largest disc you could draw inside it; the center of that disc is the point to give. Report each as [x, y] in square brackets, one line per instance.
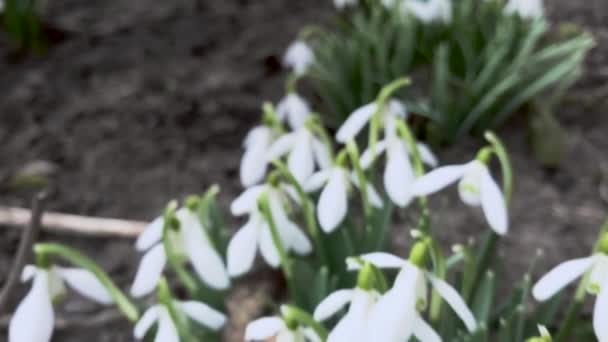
[136, 102]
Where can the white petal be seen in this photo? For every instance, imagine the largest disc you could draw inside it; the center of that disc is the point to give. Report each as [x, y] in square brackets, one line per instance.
[299, 56]
[288, 336]
[311, 335]
[322, 154]
[241, 249]
[424, 332]
[301, 161]
[332, 304]
[263, 328]
[205, 260]
[57, 287]
[151, 235]
[146, 322]
[437, 179]
[85, 283]
[34, 318]
[427, 155]
[397, 109]
[259, 135]
[368, 157]
[355, 122]
[380, 260]
[267, 247]
[451, 296]
[373, 197]
[493, 204]
[353, 326]
[398, 175]
[600, 313]
[295, 109]
[167, 332]
[247, 201]
[317, 180]
[149, 272]
[333, 201]
[560, 277]
[281, 146]
[254, 165]
[298, 241]
[29, 271]
[599, 272]
[204, 314]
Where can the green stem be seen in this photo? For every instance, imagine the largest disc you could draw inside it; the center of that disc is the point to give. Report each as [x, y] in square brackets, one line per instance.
[309, 212]
[440, 272]
[353, 153]
[166, 299]
[573, 313]
[46, 250]
[291, 312]
[264, 206]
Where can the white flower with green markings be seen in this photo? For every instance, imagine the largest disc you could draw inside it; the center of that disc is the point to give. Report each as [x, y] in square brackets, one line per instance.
[567, 272]
[425, 10]
[278, 329]
[190, 240]
[167, 330]
[395, 316]
[529, 9]
[357, 120]
[293, 109]
[299, 57]
[476, 188]
[256, 233]
[254, 162]
[34, 318]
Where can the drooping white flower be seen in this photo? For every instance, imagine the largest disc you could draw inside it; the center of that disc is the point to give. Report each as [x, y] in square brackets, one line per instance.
[476, 188]
[341, 4]
[529, 9]
[294, 109]
[425, 10]
[393, 110]
[353, 326]
[566, 272]
[167, 330]
[266, 328]
[299, 57]
[395, 316]
[333, 202]
[256, 233]
[254, 162]
[305, 150]
[190, 240]
[34, 318]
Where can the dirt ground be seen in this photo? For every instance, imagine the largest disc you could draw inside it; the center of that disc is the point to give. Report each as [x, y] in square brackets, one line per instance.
[147, 101]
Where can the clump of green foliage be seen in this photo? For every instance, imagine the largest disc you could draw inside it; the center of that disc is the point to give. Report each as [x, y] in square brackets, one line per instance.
[22, 23]
[471, 73]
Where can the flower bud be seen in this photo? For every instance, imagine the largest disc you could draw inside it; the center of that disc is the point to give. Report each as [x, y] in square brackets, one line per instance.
[418, 253]
[365, 279]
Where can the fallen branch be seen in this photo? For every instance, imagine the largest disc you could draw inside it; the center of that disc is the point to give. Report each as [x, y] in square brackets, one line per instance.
[75, 224]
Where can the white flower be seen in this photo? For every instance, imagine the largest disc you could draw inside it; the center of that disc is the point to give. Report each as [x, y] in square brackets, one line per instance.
[304, 150]
[294, 109]
[34, 318]
[266, 328]
[425, 10]
[254, 162]
[565, 273]
[398, 173]
[167, 331]
[353, 326]
[299, 57]
[189, 240]
[333, 202]
[256, 232]
[529, 9]
[476, 188]
[393, 110]
[395, 316]
[341, 4]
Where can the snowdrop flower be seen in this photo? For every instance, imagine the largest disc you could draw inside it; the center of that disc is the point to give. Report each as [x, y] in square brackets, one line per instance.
[256, 232]
[254, 162]
[266, 328]
[476, 188]
[395, 316]
[34, 318]
[341, 4]
[293, 109]
[190, 240]
[565, 273]
[299, 57]
[425, 10]
[305, 150]
[529, 9]
[167, 330]
[333, 202]
[393, 110]
[353, 326]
